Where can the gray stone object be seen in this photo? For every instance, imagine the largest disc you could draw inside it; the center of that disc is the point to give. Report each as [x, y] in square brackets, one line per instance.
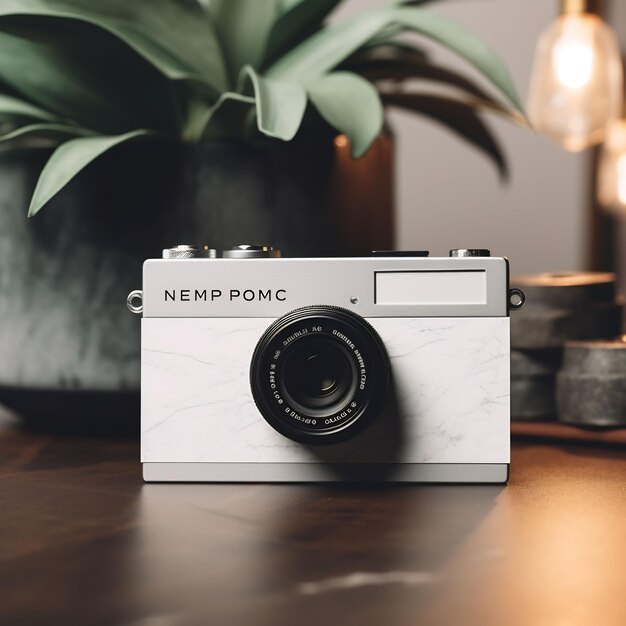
[560, 307]
[540, 328]
[533, 381]
[565, 306]
[530, 363]
[591, 387]
[533, 398]
[566, 290]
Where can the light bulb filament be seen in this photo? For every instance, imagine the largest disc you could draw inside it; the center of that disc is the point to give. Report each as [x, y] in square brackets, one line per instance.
[573, 62]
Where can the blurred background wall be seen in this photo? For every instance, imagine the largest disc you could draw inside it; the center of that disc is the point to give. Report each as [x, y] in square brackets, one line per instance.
[450, 196]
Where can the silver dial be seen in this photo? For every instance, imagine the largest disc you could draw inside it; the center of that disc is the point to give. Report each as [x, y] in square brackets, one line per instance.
[186, 251]
[467, 252]
[246, 251]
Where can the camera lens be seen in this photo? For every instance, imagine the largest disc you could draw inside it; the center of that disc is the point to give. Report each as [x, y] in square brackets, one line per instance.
[319, 374]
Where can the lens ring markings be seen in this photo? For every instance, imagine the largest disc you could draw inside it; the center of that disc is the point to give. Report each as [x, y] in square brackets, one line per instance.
[316, 408]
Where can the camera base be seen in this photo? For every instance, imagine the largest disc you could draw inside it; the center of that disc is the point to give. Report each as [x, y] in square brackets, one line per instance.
[318, 472]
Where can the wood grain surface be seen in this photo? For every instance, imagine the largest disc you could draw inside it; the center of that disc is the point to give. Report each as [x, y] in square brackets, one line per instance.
[557, 431]
[84, 541]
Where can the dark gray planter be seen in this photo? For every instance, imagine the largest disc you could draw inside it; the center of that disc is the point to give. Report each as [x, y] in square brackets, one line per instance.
[65, 274]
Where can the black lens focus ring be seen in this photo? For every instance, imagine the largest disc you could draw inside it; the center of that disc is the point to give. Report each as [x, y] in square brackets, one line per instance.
[341, 330]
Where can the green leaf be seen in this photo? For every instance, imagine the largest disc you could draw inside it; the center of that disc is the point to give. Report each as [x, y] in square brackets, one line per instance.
[243, 28]
[351, 105]
[388, 36]
[280, 104]
[320, 53]
[175, 36]
[458, 116]
[390, 50]
[227, 118]
[47, 131]
[85, 75]
[398, 70]
[69, 159]
[297, 20]
[327, 49]
[473, 49]
[12, 108]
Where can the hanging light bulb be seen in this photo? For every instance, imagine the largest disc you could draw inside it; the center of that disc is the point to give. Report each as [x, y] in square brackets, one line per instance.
[612, 168]
[576, 83]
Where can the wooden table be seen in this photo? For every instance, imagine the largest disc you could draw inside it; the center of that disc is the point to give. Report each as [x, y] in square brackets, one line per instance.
[83, 541]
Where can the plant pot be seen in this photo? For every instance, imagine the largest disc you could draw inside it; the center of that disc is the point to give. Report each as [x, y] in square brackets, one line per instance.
[70, 348]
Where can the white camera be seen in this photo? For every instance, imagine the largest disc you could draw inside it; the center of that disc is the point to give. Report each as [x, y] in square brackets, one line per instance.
[258, 368]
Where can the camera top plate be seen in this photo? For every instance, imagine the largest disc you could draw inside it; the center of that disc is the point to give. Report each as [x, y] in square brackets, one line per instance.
[370, 286]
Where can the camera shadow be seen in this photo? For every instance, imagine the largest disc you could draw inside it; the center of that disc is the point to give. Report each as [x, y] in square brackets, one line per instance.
[373, 454]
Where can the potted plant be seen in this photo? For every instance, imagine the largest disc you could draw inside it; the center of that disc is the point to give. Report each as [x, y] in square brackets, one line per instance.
[137, 125]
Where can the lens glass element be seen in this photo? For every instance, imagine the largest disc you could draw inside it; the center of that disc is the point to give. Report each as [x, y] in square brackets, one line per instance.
[319, 374]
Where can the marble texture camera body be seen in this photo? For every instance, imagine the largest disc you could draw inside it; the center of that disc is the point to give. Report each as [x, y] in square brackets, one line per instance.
[444, 325]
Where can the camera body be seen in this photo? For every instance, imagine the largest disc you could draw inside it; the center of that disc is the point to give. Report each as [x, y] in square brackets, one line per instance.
[393, 367]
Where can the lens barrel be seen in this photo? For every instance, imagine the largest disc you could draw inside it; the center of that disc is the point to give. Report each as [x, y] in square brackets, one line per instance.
[319, 374]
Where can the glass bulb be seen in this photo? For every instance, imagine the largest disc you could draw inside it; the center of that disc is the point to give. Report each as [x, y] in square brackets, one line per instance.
[576, 83]
[612, 168]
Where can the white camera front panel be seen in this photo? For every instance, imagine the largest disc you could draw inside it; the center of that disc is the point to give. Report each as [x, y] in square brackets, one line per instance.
[450, 395]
